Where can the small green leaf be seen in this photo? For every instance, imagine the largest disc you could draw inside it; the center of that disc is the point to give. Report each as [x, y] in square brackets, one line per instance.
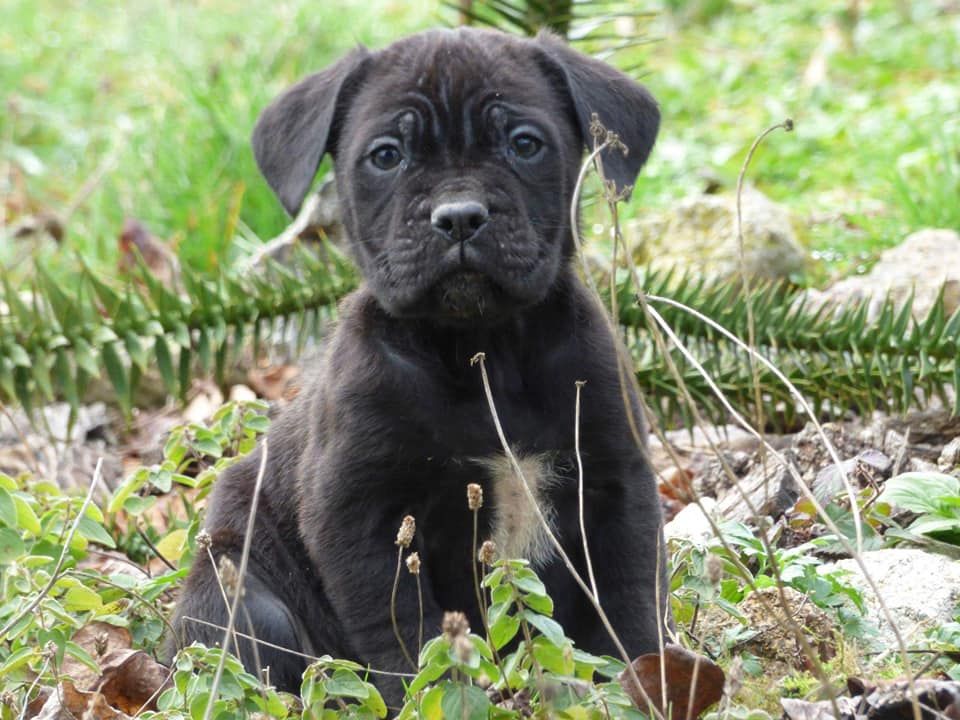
[550, 628]
[94, 531]
[71, 648]
[26, 518]
[11, 546]
[346, 683]
[18, 659]
[80, 598]
[464, 702]
[8, 510]
[919, 492]
[117, 374]
[504, 630]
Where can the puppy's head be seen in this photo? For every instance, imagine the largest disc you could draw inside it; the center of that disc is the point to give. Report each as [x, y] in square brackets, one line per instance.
[456, 155]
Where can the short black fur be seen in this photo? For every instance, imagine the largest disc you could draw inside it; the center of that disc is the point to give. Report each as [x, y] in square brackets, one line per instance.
[393, 420]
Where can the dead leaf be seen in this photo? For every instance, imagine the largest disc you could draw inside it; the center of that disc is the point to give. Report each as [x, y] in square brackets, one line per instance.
[693, 682]
[130, 679]
[135, 240]
[98, 639]
[276, 382]
[64, 703]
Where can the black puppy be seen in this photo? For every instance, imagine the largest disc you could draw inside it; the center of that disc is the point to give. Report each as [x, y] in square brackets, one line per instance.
[456, 155]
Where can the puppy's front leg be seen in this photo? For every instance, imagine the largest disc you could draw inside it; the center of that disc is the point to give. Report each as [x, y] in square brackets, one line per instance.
[350, 536]
[626, 545]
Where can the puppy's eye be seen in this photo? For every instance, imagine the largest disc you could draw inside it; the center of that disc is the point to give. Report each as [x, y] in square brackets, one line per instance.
[525, 145]
[386, 157]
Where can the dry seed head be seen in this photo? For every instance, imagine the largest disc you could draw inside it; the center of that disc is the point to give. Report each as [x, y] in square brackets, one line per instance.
[463, 648]
[455, 625]
[229, 576]
[406, 532]
[488, 552]
[204, 540]
[474, 496]
[714, 569]
[413, 563]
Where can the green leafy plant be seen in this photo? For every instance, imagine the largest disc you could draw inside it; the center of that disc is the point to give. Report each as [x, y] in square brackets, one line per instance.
[49, 590]
[934, 497]
[745, 565]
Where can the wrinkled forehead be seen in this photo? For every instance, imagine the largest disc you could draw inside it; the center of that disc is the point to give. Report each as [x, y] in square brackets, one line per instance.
[448, 78]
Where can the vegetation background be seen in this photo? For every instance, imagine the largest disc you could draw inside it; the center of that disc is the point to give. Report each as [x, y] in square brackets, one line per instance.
[138, 115]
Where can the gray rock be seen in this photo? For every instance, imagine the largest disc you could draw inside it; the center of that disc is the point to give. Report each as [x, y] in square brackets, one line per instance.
[767, 489]
[949, 459]
[920, 589]
[700, 233]
[923, 262]
[691, 523]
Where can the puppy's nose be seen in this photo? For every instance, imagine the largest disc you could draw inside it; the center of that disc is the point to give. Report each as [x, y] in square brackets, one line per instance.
[459, 221]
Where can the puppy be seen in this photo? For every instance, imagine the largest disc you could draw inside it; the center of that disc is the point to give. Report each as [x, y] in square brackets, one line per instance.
[456, 155]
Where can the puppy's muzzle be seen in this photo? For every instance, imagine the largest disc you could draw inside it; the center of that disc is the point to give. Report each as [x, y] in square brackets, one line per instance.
[460, 221]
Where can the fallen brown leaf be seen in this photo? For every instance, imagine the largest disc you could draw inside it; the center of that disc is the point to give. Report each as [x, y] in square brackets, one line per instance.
[131, 679]
[98, 639]
[693, 682]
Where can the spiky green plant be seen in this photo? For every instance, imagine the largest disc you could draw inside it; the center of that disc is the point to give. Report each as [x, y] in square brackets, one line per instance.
[841, 360]
[58, 336]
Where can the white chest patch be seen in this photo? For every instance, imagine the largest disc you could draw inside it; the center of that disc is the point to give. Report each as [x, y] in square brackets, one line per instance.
[517, 530]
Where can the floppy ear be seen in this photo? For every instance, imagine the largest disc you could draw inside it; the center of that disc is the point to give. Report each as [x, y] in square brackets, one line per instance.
[623, 106]
[296, 129]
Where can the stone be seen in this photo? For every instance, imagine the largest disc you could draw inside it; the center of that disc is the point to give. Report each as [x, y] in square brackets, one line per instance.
[920, 589]
[700, 233]
[692, 523]
[949, 460]
[921, 264]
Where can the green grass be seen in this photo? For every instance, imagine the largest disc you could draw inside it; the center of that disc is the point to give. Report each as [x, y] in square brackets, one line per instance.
[890, 101]
[170, 90]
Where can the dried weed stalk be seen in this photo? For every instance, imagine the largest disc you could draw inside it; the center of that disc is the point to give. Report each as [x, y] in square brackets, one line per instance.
[241, 577]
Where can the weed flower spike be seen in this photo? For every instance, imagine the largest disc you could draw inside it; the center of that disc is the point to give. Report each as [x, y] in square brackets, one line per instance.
[406, 532]
[474, 496]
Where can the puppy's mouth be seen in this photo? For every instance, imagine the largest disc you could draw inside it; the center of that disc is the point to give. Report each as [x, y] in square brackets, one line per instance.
[466, 295]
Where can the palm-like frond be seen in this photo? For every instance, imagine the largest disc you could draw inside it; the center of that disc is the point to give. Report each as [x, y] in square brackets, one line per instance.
[55, 342]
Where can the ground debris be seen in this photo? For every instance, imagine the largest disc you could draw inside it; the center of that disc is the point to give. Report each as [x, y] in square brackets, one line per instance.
[885, 701]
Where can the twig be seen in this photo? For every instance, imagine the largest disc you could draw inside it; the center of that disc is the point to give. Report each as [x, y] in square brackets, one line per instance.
[153, 548]
[156, 693]
[92, 182]
[223, 590]
[55, 575]
[241, 576]
[797, 395]
[479, 358]
[393, 610]
[297, 653]
[745, 276]
[26, 697]
[580, 504]
[808, 494]
[132, 593]
[289, 234]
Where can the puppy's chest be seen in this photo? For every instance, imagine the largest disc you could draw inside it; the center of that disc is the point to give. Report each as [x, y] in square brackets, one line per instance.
[522, 503]
[518, 500]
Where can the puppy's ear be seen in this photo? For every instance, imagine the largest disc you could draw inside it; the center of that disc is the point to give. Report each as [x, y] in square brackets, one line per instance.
[296, 129]
[623, 106]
